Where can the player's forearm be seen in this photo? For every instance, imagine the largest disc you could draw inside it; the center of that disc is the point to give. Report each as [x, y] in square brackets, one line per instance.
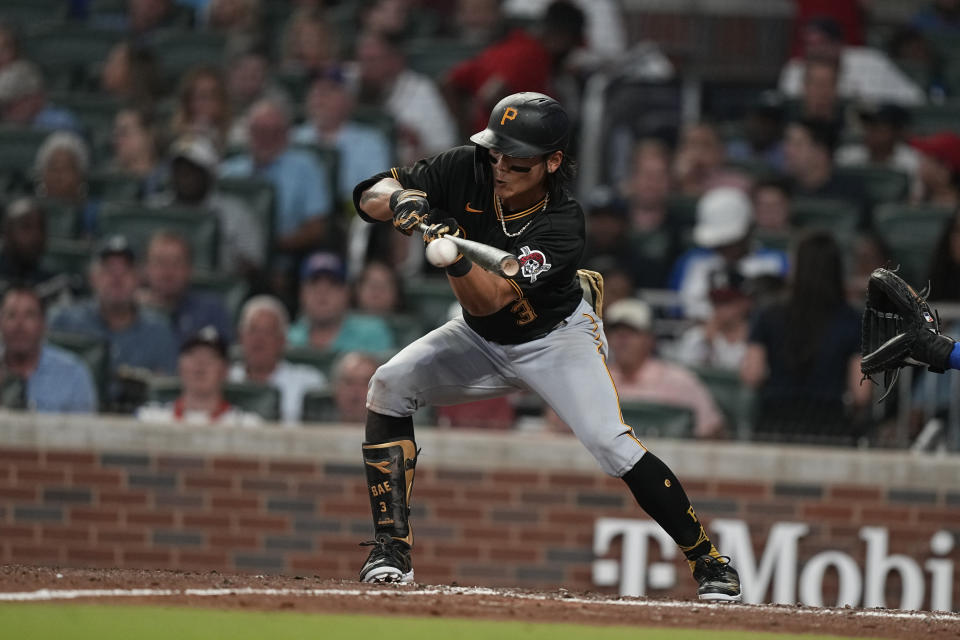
[375, 201]
[482, 293]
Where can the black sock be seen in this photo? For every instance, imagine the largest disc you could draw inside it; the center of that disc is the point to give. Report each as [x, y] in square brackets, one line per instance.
[660, 494]
[381, 428]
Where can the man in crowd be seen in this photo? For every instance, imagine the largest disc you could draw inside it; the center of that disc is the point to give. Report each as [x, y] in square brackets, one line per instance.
[54, 380]
[139, 339]
[263, 335]
[639, 375]
[327, 323]
[304, 200]
[194, 160]
[351, 376]
[24, 243]
[883, 143]
[23, 100]
[167, 273]
[202, 366]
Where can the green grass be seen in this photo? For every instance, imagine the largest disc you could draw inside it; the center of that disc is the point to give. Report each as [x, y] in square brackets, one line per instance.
[103, 622]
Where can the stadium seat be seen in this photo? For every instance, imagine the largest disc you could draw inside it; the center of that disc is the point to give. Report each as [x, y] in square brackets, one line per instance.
[62, 218]
[657, 420]
[96, 113]
[232, 290]
[13, 392]
[882, 184]
[67, 255]
[319, 406]
[95, 353]
[138, 223]
[931, 118]
[405, 328]
[179, 50]
[19, 151]
[911, 232]
[430, 300]
[836, 216]
[317, 358]
[260, 196]
[114, 186]
[73, 48]
[261, 399]
[30, 14]
[730, 394]
[435, 57]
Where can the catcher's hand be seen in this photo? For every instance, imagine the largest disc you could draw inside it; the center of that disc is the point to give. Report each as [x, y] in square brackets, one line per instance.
[410, 208]
[899, 330]
[440, 228]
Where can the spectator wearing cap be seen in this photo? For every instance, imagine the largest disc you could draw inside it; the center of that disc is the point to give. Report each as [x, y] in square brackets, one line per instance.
[810, 145]
[865, 73]
[61, 167]
[304, 201]
[721, 340]
[939, 169]
[138, 337]
[193, 175]
[883, 141]
[202, 366]
[363, 150]
[167, 273]
[725, 241]
[639, 375]
[54, 380]
[262, 331]
[327, 322]
[24, 244]
[762, 140]
[23, 100]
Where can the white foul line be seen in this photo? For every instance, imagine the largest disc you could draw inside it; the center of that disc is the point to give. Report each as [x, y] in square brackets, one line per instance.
[46, 595]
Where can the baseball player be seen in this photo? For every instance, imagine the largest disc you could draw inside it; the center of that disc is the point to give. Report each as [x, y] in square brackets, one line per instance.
[540, 330]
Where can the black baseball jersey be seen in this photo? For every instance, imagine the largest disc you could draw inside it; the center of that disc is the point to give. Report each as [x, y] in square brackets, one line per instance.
[549, 248]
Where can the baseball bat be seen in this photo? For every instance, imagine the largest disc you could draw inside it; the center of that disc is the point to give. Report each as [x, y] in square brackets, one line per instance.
[490, 258]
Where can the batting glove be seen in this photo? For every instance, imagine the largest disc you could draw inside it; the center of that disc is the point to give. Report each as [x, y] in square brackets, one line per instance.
[444, 227]
[410, 208]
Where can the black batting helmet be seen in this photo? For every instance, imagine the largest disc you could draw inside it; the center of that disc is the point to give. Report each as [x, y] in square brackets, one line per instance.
[525, 125]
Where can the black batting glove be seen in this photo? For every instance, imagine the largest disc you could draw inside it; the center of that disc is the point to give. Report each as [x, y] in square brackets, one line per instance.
[440, 228]
[410, 208]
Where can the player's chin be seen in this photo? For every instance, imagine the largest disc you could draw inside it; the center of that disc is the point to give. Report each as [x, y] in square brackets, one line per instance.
[503, 189]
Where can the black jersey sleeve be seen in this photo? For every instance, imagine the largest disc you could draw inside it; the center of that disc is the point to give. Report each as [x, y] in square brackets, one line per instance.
[440, 176]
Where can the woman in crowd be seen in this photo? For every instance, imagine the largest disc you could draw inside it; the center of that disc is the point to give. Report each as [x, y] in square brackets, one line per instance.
[202, 105]
[61, 167]
[136, 150]
[131, 74]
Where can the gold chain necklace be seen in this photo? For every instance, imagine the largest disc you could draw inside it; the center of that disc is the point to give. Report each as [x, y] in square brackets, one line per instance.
[503, 222]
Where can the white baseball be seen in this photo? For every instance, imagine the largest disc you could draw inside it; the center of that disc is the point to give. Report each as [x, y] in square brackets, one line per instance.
[442, 252]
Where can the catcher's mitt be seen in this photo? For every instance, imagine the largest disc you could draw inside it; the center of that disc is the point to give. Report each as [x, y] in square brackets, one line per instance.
[899, 330]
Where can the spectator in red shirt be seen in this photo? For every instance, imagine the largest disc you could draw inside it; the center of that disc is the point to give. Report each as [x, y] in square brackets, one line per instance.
[521, 61]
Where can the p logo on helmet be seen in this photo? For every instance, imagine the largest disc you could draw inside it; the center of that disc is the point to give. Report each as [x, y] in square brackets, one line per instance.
[508, 114]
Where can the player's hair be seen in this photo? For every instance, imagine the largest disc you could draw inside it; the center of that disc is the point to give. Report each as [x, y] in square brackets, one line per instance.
[816, 293]
[558, 182]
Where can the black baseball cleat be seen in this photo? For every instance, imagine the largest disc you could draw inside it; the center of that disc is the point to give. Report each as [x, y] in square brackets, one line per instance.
[718, 580]
[389, 561]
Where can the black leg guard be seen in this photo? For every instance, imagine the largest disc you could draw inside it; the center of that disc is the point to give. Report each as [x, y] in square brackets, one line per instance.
[390, 469]
[661, 495]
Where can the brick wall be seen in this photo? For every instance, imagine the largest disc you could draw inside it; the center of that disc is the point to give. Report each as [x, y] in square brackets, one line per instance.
[477, 524]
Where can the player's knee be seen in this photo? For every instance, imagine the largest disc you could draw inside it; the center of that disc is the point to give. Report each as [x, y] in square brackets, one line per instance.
[387, 386]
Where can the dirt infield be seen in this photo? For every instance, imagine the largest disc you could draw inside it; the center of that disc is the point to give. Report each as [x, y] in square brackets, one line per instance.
[313, 594]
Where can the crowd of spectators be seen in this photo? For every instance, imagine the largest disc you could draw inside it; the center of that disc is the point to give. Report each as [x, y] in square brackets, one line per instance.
[734, 249]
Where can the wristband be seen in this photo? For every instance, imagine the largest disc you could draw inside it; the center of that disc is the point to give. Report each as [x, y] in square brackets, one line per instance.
[955, 356]
[460, 268]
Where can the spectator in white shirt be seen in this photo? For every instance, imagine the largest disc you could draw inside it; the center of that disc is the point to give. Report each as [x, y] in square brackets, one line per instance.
[883, 142]
[203, 370]
[865, 73]
[263, 336]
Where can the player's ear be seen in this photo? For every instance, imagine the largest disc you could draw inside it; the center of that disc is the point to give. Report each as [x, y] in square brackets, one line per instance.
[554, 160]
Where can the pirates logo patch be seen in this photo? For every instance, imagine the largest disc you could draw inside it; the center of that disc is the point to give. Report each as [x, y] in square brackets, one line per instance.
[532, 263]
